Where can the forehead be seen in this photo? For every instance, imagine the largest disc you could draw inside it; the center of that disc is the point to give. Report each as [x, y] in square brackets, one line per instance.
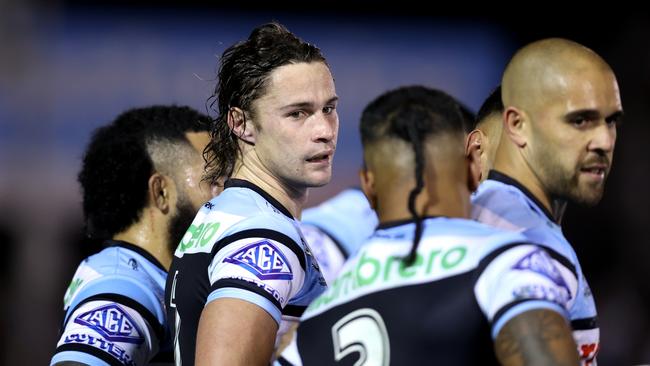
[592, 89]
[299, 83]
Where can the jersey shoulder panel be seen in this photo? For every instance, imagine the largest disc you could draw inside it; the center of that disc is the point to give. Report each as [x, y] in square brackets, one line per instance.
[122, 272]
[347, 218]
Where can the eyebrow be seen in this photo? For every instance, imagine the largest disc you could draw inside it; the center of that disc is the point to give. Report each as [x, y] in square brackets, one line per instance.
[618, 115]
[307, 104]
[588, 114]
[592, 114]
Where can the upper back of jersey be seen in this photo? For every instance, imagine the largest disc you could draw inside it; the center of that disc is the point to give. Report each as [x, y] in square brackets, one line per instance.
[468, 279]
[242, 244]
[502, 202]
[114, 309]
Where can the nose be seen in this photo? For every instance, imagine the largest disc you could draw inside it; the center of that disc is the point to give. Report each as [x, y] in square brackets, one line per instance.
[604, 138]
[326, 127]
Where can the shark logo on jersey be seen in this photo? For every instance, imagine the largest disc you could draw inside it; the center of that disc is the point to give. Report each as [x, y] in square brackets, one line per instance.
[264, 260]
[540, 262]
[113, 323]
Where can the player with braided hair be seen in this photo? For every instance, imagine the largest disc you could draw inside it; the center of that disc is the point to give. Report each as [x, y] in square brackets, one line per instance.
[431, 286]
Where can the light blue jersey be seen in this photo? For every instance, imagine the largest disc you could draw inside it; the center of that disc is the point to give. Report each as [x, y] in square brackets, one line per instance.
[502, 202]
[242, 244]
[336, 228]
[467, 281]
[114, 309]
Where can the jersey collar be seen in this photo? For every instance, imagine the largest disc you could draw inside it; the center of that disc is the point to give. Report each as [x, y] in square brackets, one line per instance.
[135, 248]
[500, 177]
[231, 183]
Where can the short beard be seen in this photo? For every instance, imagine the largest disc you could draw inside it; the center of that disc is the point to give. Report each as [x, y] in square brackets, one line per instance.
[565, 186]
[181, 221]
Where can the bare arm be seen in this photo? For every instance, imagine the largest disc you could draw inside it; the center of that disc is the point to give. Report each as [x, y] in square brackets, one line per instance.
[536, 337]
[235, 332]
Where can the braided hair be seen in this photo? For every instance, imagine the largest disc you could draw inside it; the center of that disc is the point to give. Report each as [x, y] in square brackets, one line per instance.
[412, 114]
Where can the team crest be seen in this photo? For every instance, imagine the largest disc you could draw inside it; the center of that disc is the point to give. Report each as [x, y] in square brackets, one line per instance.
[113, 323]
[264, 260]
[540, 262]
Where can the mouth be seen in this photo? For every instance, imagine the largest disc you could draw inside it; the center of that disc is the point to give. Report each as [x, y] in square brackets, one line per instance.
[323, 157]
[595, 171]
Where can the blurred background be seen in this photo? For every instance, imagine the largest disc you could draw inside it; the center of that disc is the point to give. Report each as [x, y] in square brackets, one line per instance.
[67, 67]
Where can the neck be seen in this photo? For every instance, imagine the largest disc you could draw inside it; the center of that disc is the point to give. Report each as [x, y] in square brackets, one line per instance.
[148, 236]
[445, 198]
[290, 197]
[512, 163]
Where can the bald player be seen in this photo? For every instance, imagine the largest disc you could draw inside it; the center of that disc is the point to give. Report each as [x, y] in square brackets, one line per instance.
[562, 108]
[487, 130]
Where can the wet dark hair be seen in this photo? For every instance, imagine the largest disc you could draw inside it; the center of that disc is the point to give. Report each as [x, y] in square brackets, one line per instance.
[116, 165]
[243, 77]
[412, 114]
[493, 104]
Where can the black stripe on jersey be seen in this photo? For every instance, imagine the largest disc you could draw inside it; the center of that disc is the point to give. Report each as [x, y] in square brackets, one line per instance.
[127, 301]
[84, 348]
[283, 362]
[555, 255]
[334, 240]
[584, 323]
[246, 184]
[294, 310]
[245, 285]
[266, 234]
[164, 357]
[503, 310]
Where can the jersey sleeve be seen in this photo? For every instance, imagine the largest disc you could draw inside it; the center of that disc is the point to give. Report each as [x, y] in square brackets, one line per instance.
[263, 266]
[106, 332]
[519, 278]
[111, 320]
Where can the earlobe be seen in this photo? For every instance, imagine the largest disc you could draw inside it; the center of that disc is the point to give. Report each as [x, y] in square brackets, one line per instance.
[239, 126]
[514, 123]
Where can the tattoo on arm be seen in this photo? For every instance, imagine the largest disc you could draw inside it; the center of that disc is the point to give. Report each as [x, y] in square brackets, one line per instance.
[536, 337]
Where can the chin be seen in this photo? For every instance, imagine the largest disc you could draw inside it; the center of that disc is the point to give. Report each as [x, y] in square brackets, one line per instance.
[590, 198]
[319, 181]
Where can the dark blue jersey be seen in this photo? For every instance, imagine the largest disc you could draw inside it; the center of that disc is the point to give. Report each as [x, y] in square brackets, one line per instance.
[467, 281]
[242, 244]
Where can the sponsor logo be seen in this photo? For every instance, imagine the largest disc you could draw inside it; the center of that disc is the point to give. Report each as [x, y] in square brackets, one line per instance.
[109, 347]
[264, 260]
[588, 353]
[134, 264]
[113, 323]
[371, 271]
[276, 295]
[198, 236]
[541, 263]
[554, 294]
[72, 289]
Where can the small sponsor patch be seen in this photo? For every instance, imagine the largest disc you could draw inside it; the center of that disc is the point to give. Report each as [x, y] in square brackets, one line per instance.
[264, 260]
[113, 323]
[109, 347]
[541, 263]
